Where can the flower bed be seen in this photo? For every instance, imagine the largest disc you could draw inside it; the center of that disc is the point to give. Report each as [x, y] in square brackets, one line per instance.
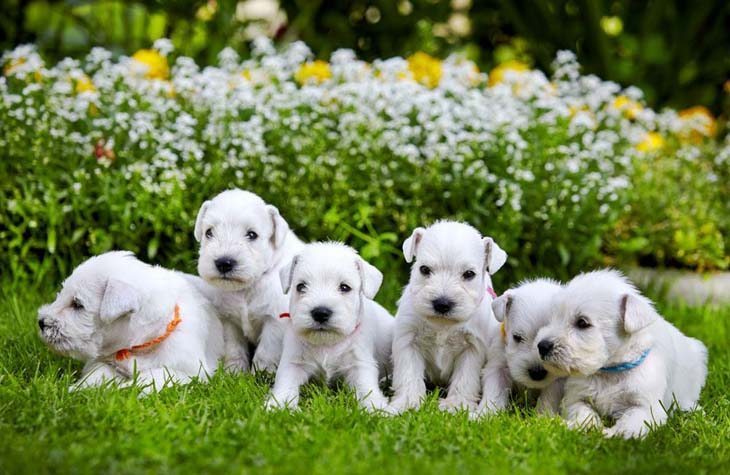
[563, 171]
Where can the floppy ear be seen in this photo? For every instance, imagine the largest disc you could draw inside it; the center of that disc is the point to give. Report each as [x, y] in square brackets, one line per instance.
[495, 257]
[410, 245]
[370, 277]
[198, 233]
[119, 299]
[286, 274]
[637, 313]
[281, 227]
[500, 307]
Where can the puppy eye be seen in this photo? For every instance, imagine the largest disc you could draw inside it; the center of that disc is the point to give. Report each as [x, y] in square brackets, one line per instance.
[301, 287]
[425, 270]
[251, 235]
[468, 275]
[518, 338]
[209, 233]
[582, 323]
[76, 304]
[344, 288]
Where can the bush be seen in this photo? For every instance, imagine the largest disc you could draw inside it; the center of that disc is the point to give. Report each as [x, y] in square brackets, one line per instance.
[109, 153]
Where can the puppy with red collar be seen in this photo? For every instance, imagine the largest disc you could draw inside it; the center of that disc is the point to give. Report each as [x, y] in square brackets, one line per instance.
[336, 329]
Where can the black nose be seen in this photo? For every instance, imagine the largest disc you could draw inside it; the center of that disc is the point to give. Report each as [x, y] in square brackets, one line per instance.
[321, 314]
[42, 323]
[537, 373]
[225, 264]
[442, 305]
[545, 347]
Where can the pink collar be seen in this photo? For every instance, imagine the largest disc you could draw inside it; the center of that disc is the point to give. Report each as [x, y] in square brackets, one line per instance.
[492, 293]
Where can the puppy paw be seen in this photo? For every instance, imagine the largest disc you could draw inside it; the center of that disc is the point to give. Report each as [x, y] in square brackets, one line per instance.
[379, 407]
[591, 422]
[404, 402]
[264, 363]
[626, 432]
[274, 404]
[236, 365]
[454, 405]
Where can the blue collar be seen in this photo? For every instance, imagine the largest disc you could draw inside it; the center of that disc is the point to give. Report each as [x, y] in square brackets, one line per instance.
[621, 367]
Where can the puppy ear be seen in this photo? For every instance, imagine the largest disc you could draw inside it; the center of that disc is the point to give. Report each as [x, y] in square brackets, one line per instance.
[410, 245]
[637, 313]
[370, 277]
[286, 274]
[281, 227]
[495, 257]
[119, 299]
[198, 232]
[501, 306]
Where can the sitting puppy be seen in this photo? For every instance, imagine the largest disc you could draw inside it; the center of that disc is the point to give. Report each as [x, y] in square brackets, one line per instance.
[523, 311]
[444, 328]
[624, 360]
[127, 319]
[337, 329]
[244, 242]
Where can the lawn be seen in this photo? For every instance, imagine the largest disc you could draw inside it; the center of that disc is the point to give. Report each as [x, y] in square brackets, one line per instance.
[221, 426]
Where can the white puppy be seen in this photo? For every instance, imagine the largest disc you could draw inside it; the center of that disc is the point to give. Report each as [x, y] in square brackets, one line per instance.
[122, 316]
[244, 242]
[337, 329]
[624, 360]
[444, 329]
[523, 311]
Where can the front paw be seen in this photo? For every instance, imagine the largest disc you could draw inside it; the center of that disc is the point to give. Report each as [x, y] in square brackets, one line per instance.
[236, 365]
[454, 405]
[378, 406]
[279, 404]
[626, 432]
[264, 363]
[585, 424]
[406, 401]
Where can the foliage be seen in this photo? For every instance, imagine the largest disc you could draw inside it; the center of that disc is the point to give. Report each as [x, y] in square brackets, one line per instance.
[221, 427]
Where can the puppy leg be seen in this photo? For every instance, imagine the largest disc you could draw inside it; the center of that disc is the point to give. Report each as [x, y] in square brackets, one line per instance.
[548, 403]
[289, 378]
[156, 379]
[408, 376]
[496, 385]
[95, 374]
[268, 351]
[464, 386]
[580, 416]
[235, 348]
[636, 422]
[363, 377]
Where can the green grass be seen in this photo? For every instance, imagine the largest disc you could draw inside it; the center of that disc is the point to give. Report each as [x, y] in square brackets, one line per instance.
[221, 427]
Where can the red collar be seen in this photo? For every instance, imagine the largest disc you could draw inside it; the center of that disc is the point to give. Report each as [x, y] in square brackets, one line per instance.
[125, 353]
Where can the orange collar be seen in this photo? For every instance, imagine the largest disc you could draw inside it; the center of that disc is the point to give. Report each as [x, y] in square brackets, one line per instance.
[125, 353]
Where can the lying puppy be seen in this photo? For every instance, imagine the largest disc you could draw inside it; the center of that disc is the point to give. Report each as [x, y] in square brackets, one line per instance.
[122, 316]
[444, 328]
[244, 242]
[523, 311]
[337, 329]
[624, 360]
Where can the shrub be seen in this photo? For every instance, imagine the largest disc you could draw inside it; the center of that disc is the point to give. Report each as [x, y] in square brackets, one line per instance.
[109, 153]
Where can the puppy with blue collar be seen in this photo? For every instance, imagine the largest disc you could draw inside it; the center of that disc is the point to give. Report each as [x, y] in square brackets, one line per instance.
[622, 359]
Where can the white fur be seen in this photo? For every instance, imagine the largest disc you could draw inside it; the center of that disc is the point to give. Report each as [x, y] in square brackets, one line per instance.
[354, 343]
[250, 298]
[449, 350]
[127, 302]
[623, 324]
[523, 311]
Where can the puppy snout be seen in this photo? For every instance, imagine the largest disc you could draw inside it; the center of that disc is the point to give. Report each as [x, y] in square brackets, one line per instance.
[545, 347]
[442, 305]
[537, 373]
[225, 264]
[321, 314]
[42, 324]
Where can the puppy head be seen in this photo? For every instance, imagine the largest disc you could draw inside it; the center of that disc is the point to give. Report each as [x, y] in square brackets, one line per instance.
[327, 283]
[593, 320]
[239, 235]
[451, 271]
[87, 314]
[523, 312]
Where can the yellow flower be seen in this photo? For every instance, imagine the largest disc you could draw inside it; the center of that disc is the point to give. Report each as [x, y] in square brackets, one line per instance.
[702, 121]
[652, 142]
[156, 64]
[315, 72]
[629, 107]
[425, 69]
[497, 74]
[246, 74]
[84, 84]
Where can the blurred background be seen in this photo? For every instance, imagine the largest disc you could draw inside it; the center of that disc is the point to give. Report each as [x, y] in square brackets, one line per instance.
[677, 52]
